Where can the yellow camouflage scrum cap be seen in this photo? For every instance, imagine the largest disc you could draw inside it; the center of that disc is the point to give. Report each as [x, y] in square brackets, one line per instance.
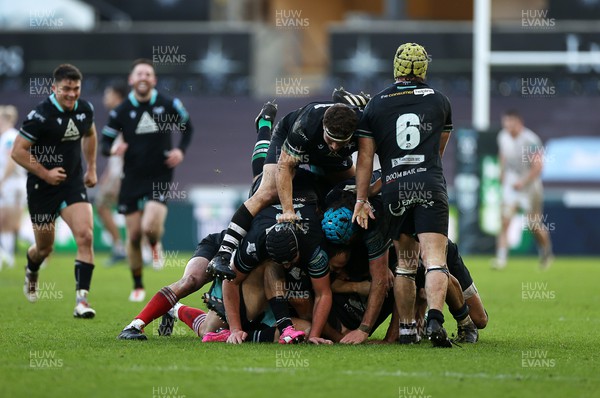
[410, 59]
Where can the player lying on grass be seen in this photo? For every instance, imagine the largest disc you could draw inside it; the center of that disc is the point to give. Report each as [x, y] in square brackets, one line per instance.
[256, 316]
[286, 244]
[195, 275]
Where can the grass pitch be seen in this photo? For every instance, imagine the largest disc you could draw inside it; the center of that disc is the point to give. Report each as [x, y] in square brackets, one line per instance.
[541, 341]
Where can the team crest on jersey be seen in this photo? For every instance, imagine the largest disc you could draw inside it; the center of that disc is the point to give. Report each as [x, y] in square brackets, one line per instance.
[158, 110]
[251, 250]
[146, 125]
[80, 117]
[295, 272]
[59, 120]
[132, 114]
[72, 133]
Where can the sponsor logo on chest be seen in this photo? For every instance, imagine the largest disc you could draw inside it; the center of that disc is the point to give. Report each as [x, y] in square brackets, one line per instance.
[72, 132]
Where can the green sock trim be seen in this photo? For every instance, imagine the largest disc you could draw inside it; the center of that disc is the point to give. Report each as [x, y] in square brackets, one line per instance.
[264, 123]
[258, 156]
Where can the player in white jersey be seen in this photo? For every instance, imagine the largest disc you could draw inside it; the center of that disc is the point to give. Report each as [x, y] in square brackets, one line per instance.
[521, 162]
[13, 179]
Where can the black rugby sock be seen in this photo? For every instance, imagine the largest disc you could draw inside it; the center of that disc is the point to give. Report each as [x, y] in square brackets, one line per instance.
[259, 153]
[83, 275]
[263, 336]
[238, 228]
[279, 306]
[33, 266]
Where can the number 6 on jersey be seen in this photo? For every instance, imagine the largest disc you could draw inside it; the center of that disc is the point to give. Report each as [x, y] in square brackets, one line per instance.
[407, 131]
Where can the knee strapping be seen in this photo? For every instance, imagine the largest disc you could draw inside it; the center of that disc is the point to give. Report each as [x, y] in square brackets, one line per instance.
[438, 268]
[406, 273]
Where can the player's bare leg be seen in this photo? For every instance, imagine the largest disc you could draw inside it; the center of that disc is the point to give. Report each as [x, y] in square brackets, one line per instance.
[133, 223]
[36, 254]
[433, 253]
[541, 234]
[467, 331]
[276, 294]
[10, 222]
[105, 213]
[153, 221]
[79, 218]
[502, 239]
[476, 311]
[407, 250]
[166, 300]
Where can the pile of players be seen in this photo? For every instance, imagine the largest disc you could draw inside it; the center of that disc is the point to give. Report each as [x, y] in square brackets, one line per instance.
[322, 251]
[325, 252]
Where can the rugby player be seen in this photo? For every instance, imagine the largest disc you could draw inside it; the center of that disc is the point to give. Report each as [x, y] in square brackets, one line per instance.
[286, 244]
[521, 164]
[195, 275]
[110, 181]
[408, 124]
[319, 137]
[49, 145]
[147, 120]
[13, 179]
[369, 244]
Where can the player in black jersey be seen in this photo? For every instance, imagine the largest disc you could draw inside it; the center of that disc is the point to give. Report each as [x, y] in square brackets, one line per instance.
[50, 144]
[147, 120]
[318, 137]
[297, 243]
[370, 245]
[408, 124]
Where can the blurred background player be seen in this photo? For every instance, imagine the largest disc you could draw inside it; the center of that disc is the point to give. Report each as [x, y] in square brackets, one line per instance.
[110, 180]
[13, 179]
[147, 120]
[49, 145]
[521, 162]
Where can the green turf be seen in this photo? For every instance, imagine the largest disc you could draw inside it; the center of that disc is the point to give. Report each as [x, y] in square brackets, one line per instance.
[542, 341]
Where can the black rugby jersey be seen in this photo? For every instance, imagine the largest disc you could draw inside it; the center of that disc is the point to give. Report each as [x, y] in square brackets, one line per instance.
[305, 140]
[406, 121]
[148, 128]
[56, 136]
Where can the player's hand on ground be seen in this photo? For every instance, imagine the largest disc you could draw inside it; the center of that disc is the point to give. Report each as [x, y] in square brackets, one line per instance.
[237, 337]
[174, 157]
[90, 178]
[55, 176]
[319, 340]
[362, 213]
[355, 337]
[288, 216]
[119, 149]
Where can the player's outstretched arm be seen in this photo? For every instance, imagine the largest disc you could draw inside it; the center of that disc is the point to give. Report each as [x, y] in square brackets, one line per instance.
[379, 288]
[321, 308]
[231, 301]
